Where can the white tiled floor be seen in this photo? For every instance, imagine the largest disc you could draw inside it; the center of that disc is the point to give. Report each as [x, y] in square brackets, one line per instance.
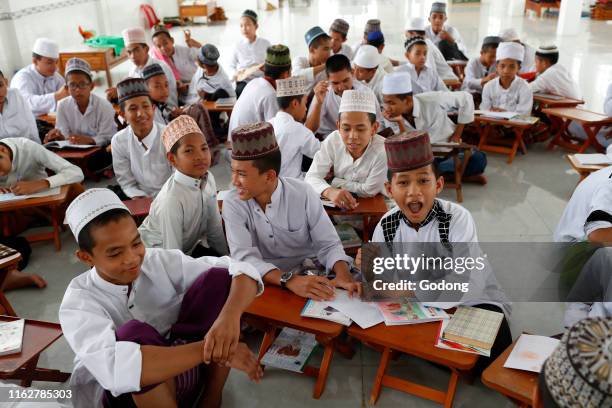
[521, 203]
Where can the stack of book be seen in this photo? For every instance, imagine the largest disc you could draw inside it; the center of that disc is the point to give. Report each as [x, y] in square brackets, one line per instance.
[470, 330]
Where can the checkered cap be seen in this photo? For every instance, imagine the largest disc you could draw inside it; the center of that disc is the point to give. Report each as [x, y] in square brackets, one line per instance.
[253, 141]
[358, 101]
[134, 35]
[152, 70]
[79, 65]
[179, 127]
[372, 25]
[90, 204]
[408, 151]
[293, 86]
[131, 88]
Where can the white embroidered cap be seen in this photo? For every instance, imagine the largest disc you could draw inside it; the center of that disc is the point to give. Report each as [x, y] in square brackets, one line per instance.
[509, 34]
[358, 101]
[397, 83]
[510, 50]
[88, 205]
[293, 86]
[416, 24]
[134, 35]
[46, 48]
[367, 57]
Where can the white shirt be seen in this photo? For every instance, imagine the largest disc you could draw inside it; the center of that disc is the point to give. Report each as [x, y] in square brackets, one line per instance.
[301, 67]
[386, 63]
[427, 80]
[247, 54]
[517, 98]
[294, 140]
[209, 84]
[184, 59]
[294, 226]
[140, 171]
[435, 38]
[345, 50]
[430, 115]
[30, 160]
[594, 193]
[331, 107]
[365, 176]
[556, 80]
[185, 213]
[38, 91]
[136, 72]
[257, 103]
[528, 64]
[97, 122]
[92, 309]
[16, 118]
[474, 72]
[436, 60]
[376, 83]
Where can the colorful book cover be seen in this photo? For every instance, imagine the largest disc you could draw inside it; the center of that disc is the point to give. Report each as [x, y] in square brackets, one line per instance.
[290, 351]
[321, 310]
[11, 337]
[404, 312]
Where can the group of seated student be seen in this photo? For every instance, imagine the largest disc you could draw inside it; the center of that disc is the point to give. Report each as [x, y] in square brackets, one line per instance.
[339, 124]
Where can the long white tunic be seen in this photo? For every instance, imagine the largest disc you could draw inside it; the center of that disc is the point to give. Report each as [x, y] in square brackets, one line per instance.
[92, 309]
[517, 98]
[185, 213]
[331, 107]
[247, 54]
[345, 50]
[474, 72]
[294, 140]
[257, 103]
[140, 171]
[435, 38]
[294, 226]
[136, 72]
[593, 194]
[365, 176]
[430, 116]
[427, 80]
[97, 122]
[301, 67]
[556, 80]
[16, 118]
[38, 91]
[528, 64]
[209, 84]
[184, 59]
[376, 83]
[436, 60]
[30, 161]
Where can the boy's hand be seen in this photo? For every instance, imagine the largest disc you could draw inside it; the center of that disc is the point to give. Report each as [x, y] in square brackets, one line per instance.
[62, 93]
[244, 360]
[81, 140]
[444, 35]
[111, 93]
[488, 78]
[29, 187]
[221, 340]
[313, 287]
[320, 90]
[396, 119]
[53, 134]
[341, 198]
[202, 94]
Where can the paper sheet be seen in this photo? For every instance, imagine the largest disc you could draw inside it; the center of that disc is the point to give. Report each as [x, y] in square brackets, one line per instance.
[496, 115]
[5, 197]
[365, 314]
[530, 352]
[62, 144]
[594, 158]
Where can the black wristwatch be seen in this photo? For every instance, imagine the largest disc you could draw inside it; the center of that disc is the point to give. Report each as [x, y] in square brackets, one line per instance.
[285, 277]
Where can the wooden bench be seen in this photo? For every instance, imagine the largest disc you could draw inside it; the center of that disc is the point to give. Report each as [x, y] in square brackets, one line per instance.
[543, 101]
[590, 121]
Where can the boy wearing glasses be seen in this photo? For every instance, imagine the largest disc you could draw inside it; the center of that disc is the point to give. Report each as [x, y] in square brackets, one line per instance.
[83, 118]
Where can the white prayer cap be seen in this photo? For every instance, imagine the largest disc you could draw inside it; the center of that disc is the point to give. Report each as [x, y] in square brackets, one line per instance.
[367, 57]
[89, 205]
[78, 65]
[293, 86]
[46, 48]
[416, 24]
[547, 49]
[509, 34]
[358, 101]
[397, 83]
[134, 35]
[510, 50]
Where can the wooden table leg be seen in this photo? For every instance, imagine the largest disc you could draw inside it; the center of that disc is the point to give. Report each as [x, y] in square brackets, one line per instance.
[28, 373]
[452, 387]
[109, 78]
[328, 353]
[380, 373]
[517, 141]
[591, 131]
[562, 127]
[484, 134]
[56, 228]
[6, 305]
[266, 342]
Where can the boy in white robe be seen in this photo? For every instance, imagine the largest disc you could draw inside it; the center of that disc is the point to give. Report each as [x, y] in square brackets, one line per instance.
[40, 83]
[275, 223]
[480, 70]
[16, 118]
[508, 92]
[337, 32]
[444, 36]
[210, 81]
[528, 64]
[368, 69]
[249, 52]
[353, 155]
[553, 78]
[185, 214]
[425, 77]
[297, 143]
[319, 50]
[371, 26]
[416, 27]
[139, 159]
[377, 40]
[150, 327]
[159, 91]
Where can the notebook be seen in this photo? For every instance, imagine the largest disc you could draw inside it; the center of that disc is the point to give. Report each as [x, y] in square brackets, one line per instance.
[530, 352]
[64, 144]
[364, 314]
[593, 159]
[548, 96]
[225, 102]
[291, 350]
[11, 337]
[321, 310]
[4, 197]
[404, 312]
[473, 327]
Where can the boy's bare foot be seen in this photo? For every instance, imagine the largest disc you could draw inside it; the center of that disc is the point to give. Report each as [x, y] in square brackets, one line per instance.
[17, 280]
[245, 360]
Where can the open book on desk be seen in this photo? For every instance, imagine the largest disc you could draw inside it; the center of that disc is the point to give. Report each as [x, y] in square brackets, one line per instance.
[65, 144]
[5, 197]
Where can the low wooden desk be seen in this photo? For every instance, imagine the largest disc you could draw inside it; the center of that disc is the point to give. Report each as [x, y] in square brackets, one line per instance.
[453, 84]
[211, 106]
[544, 102]
[518, 385]
[484, 127]
[583, 169]
[53, 202]
[100, 59]
[7, 264]
[417, 340]
[590, 121]
[49, 118]
[277, 308]
[37, 336]
[80, 158]
[139, 207]
[371, 209]
[444, 151]
[537, 6]
[189, 11]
